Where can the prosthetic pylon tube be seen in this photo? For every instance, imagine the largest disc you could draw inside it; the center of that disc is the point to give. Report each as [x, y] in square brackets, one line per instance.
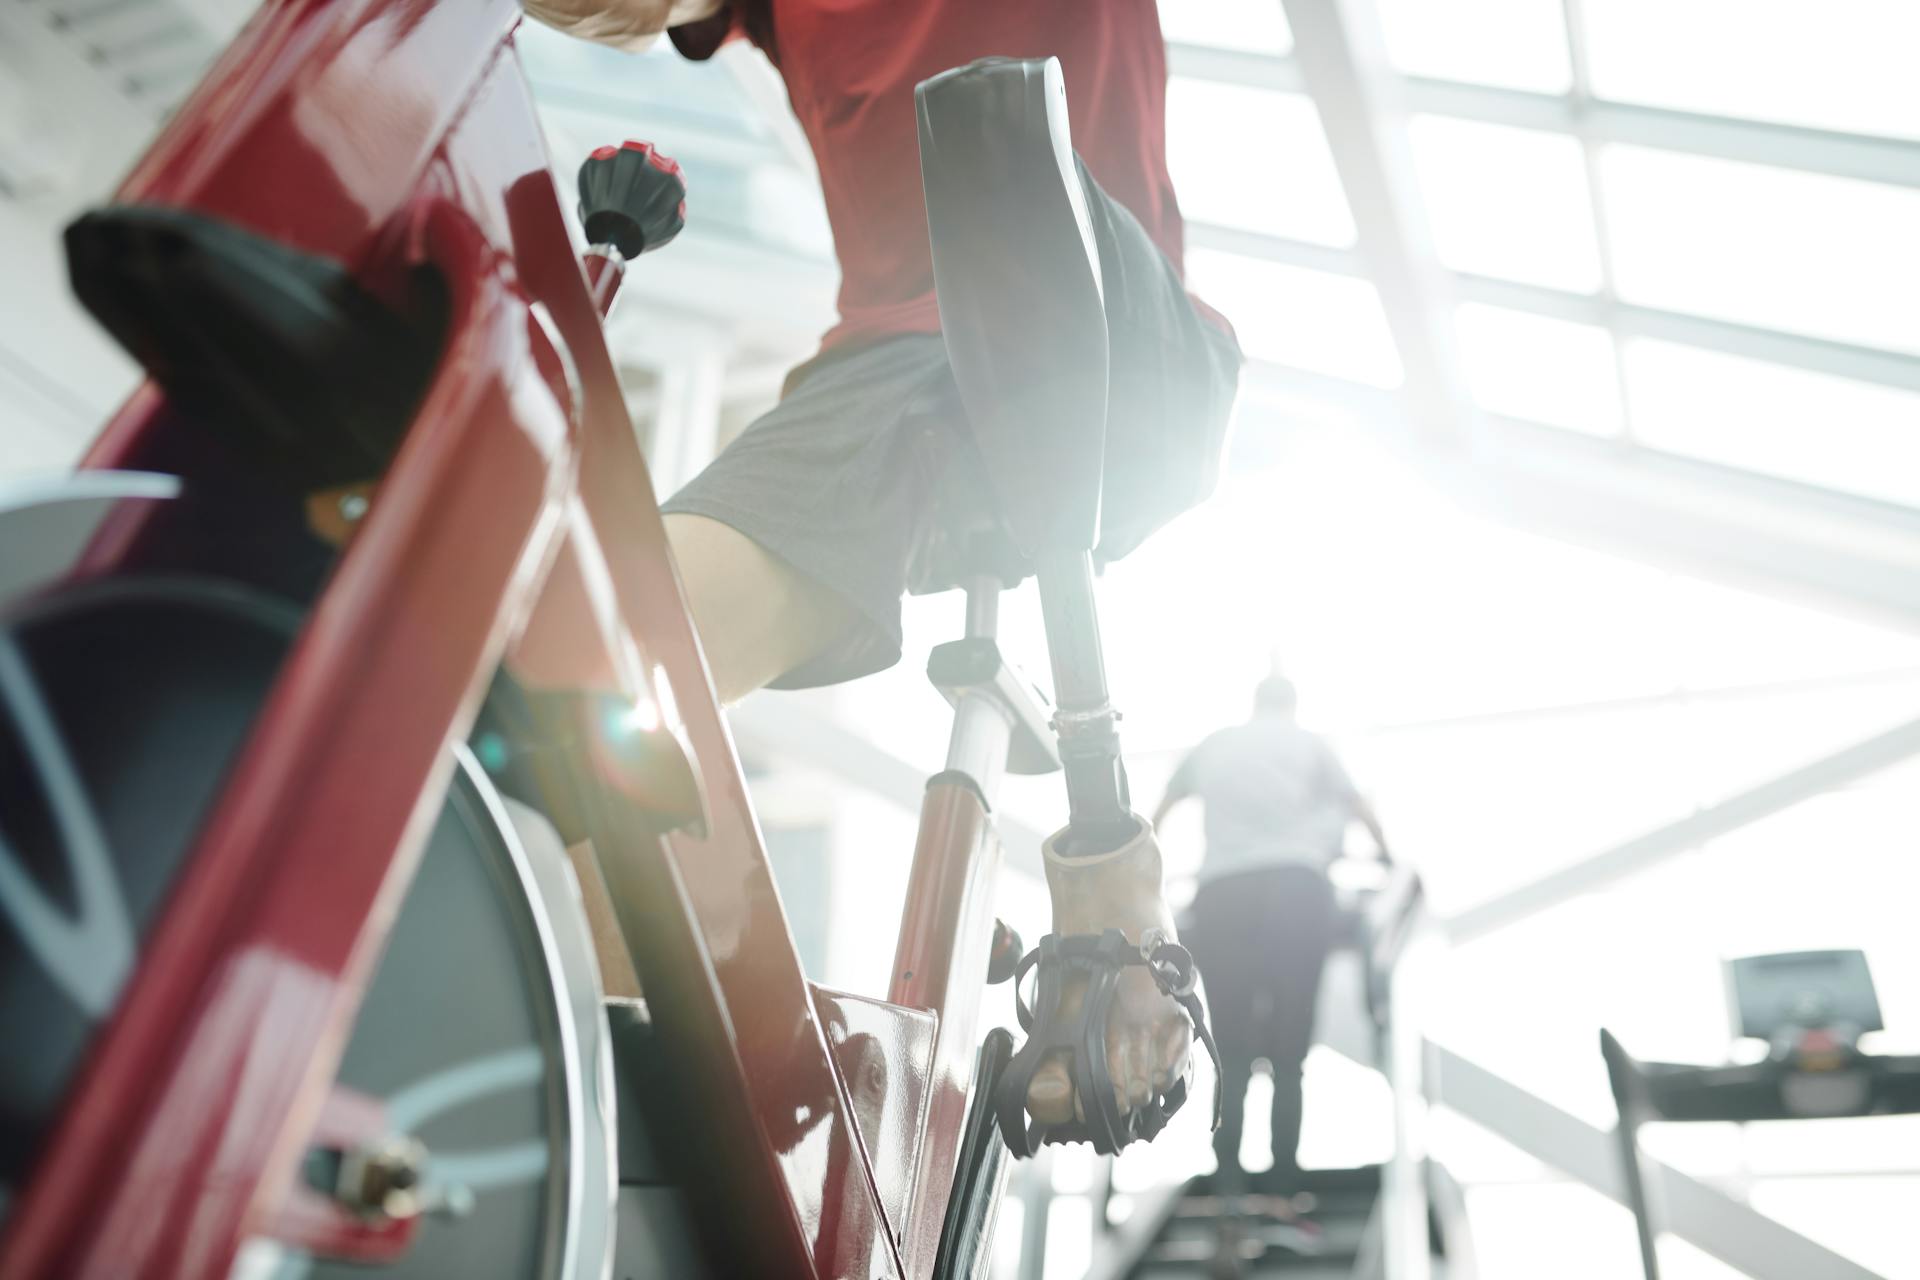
[1099, 816]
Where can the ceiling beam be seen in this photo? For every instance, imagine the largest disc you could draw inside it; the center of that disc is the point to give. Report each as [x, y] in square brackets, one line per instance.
[1280, 72]
[1833, 551]
[1608, 867]
[1341, 53]
[1838, 155]
[1815, 355]
[1841, 155]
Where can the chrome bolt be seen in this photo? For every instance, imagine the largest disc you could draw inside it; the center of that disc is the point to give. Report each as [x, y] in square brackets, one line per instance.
[384, 1178]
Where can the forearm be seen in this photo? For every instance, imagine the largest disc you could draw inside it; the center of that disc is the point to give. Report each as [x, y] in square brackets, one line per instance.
[629, 25]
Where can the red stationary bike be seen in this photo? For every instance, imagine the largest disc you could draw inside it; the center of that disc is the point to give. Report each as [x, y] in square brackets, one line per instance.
[353, 654]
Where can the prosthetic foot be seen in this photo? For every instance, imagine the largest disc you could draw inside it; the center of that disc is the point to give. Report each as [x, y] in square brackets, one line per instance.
[1112, 1014]
[1098, 961]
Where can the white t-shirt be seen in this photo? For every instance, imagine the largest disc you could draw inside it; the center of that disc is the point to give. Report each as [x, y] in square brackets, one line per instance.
[1273, 793]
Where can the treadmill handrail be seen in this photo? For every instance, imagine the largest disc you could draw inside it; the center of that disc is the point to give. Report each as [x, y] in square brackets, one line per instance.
[1387, 923]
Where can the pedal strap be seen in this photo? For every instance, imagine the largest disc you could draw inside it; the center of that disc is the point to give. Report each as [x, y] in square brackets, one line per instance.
[1101, 959]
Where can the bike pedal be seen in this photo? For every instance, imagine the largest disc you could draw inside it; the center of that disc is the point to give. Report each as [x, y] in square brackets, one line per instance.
[1004, 960]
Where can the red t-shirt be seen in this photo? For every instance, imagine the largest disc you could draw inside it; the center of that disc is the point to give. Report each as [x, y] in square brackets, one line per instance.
[851, 66]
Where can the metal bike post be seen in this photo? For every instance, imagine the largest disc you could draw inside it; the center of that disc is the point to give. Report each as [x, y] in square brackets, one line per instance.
[946, 939]
[982, 724]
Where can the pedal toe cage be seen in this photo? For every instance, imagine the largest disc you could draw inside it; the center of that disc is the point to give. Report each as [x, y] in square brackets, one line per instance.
[1101, 958]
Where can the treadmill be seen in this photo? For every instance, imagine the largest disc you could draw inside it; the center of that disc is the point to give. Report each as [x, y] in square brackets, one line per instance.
[1812, 1008]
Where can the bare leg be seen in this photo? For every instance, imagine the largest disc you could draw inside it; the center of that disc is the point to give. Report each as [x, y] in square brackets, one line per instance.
[1147, 1033]
[757, 616]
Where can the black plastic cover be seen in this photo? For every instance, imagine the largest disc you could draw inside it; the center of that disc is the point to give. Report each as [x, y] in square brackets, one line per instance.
[632, 198]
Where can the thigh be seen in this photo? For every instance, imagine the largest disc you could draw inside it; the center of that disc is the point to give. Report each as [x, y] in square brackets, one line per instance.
[1301, 907]
[830, 494]
[1223, 940]
[757, 616]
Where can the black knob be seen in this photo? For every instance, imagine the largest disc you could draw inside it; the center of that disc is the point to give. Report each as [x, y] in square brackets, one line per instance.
[632, 198]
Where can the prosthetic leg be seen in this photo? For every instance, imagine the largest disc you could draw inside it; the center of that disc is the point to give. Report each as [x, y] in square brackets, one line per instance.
[1022, 311]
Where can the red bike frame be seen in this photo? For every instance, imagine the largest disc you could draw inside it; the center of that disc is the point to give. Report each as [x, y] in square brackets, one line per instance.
[516, 524]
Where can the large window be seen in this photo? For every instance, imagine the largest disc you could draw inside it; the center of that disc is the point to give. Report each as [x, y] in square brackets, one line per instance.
[1711, 288]
[1840, 64]
[1507, 202]
[1520, 44]
[1311, 320]
[1800, 252]
[1254, 159]
[1790, 423]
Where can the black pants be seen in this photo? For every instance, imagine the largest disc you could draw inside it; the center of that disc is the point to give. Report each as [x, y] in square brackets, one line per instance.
[1261, 939]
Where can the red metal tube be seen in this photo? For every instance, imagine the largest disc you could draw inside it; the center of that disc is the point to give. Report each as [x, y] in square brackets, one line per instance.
[940, 963]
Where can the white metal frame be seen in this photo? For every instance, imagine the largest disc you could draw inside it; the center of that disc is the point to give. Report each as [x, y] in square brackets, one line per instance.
[1858, 760]
[1839, 550]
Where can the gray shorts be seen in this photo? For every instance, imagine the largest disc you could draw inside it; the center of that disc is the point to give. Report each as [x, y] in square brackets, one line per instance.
[849, 477]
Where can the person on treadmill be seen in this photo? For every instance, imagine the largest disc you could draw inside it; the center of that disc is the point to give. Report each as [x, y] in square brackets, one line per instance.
[1277, 807]
[797, 543]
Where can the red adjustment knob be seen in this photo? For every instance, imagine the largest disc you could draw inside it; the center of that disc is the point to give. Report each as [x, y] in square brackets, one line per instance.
[632, 198]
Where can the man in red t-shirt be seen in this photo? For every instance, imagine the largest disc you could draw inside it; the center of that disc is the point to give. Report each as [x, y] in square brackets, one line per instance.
[797, 543]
